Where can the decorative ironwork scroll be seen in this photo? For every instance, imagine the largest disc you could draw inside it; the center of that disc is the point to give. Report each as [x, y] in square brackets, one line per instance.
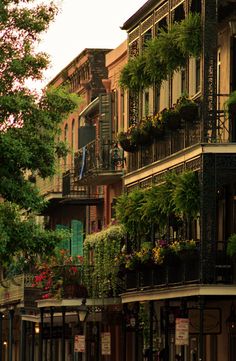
[133, 108]
[208, 186]
[161, 12]
[209, 70]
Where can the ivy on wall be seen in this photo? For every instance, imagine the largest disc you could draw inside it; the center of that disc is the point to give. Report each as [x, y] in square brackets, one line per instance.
[100, 251]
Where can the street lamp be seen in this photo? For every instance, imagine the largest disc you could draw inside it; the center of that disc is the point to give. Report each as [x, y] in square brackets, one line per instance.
[82, 310]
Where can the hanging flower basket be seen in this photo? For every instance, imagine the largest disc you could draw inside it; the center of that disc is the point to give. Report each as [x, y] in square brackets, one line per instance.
[171, 118]
[141, 136]
[74, 291]
[126, 143]
[187, 109]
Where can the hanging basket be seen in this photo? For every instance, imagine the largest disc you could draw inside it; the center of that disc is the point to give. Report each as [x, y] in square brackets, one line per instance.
[232, 109]
[171, 119]
[189, 112]
[128, 146]
[74, 291]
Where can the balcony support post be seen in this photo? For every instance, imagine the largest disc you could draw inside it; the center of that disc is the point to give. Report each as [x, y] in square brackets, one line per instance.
[63, 340]
[22, 340]
[40, 355]
[201, 328]
[51, 333]
[32, 340]
[10, 335]
[1, 338]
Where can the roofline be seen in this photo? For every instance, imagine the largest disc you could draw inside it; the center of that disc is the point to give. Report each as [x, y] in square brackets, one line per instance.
[85, 51]
[141, 13]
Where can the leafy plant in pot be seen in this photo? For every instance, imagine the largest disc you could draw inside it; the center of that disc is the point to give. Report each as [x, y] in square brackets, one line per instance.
[126, 142]
[230, 104]
[171, 118]
[187, 108]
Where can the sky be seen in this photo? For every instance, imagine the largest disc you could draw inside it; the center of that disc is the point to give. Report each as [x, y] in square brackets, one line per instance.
[84, 24]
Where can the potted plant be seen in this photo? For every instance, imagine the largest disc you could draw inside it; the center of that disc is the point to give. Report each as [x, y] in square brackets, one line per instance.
[230, 104]
[231, 245]
[126, 142]
[187, 109]
[141, 136]
[60, 276]
[171, 118]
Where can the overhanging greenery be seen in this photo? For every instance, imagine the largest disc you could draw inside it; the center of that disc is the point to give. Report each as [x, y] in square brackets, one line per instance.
[100, 251]
[164, 54]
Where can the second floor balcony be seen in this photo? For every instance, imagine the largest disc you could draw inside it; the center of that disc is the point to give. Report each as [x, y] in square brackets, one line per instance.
[99, 163]
[18, 289]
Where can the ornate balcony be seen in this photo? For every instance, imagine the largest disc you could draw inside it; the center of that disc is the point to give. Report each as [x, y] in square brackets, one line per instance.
[72, 192]
[180, 272]
[18, 289]
[99, 163]
[186, 135]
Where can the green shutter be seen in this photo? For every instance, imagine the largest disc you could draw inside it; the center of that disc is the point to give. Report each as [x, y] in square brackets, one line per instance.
[105, 117]
[76, 238]
[65, 243]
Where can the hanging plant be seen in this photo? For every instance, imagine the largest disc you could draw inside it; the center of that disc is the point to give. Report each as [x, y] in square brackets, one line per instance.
[126, 141]
[189, 35]
[230, 104]
[231, 245]
[140, 135]
[168, 51]
[155, 68]
[154, 125]
[186, 195]
[187, 109]
[171, 118]
[163, 55]
[133, 76]
[100, 271]
[128, 211]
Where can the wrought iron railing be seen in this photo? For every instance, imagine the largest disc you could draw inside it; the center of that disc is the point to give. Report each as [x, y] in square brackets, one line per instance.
[14, 289]
[188, 135]
[164, 275]
[181, 272]
[71, 188]
[98, 156]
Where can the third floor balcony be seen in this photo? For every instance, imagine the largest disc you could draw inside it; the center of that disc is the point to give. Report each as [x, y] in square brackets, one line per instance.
[99, 163]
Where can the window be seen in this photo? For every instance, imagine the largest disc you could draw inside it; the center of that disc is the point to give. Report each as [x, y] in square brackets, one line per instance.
[183, 81]
[65, 139]
[146, 103]
[198, 75]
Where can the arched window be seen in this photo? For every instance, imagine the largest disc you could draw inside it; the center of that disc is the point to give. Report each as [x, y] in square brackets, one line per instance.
[65, 140]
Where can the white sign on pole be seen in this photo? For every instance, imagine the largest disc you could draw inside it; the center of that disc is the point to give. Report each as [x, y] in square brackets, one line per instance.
[106, 343]
[79, 343]
[181, 331]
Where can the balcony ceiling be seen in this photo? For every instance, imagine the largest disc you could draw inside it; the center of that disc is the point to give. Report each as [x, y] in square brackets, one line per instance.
[101, 178]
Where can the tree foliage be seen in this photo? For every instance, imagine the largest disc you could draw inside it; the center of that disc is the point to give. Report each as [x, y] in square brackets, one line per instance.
[29, 122]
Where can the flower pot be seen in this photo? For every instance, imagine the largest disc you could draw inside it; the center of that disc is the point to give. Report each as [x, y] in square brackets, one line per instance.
[74, 291]
[189, 112]
[128, 146]
[173, 122]
[232, 109]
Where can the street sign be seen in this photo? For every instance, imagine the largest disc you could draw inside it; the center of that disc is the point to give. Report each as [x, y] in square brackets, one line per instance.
[79, 343]
[181, 331]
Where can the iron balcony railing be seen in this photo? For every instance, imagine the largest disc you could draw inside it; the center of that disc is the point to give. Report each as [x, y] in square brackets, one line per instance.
[97, 157]
[181, 272]
[71, 188]
[18, 289]
[187, 135]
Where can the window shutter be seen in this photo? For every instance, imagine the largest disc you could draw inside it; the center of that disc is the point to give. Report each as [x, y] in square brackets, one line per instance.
[76, 238]
[105, 117]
